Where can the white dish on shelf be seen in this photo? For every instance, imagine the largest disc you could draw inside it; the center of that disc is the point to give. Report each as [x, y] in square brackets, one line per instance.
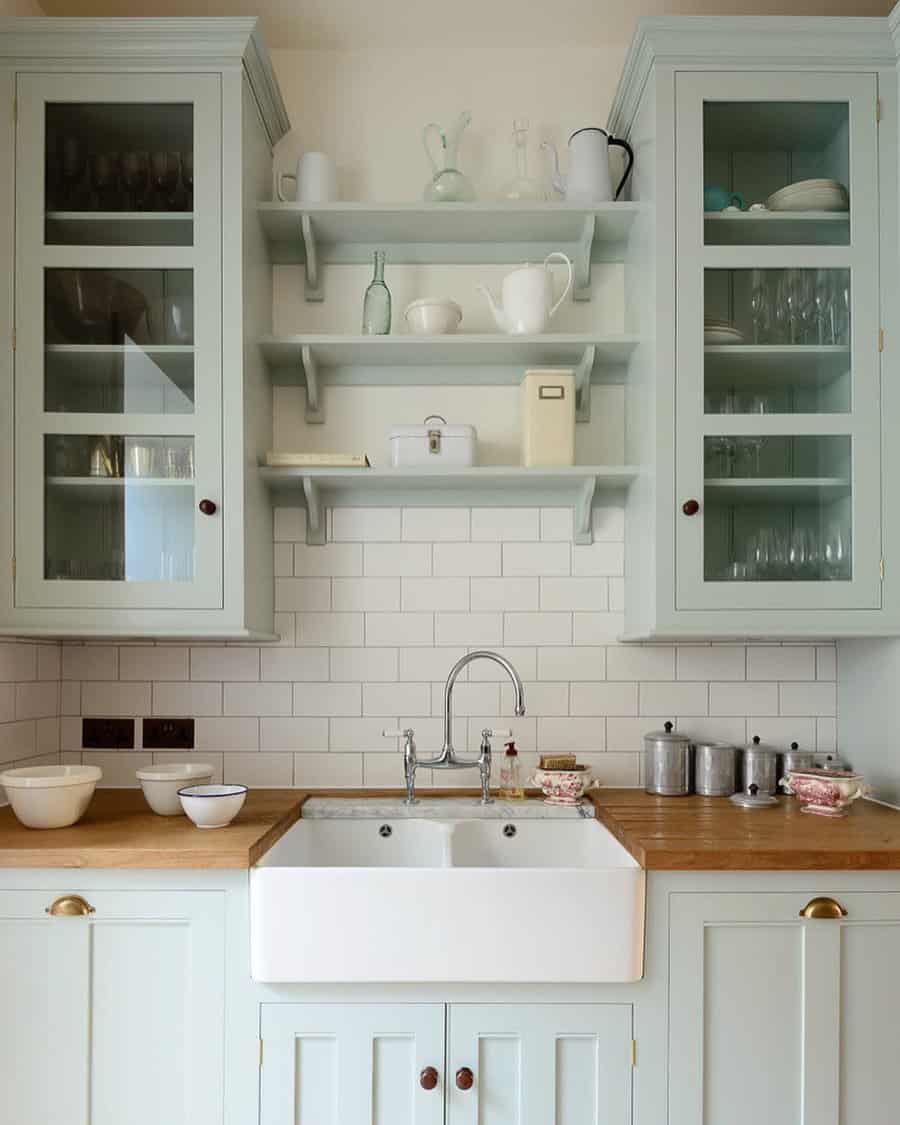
[212, 806]
[433, 316]
[714, 334]
[50, 796]
[161, 784]
[810, 195]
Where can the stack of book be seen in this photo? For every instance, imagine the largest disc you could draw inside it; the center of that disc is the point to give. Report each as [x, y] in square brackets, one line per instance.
[279, 460]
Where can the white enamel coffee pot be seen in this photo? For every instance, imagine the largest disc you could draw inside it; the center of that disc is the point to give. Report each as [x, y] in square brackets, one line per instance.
[589, 179]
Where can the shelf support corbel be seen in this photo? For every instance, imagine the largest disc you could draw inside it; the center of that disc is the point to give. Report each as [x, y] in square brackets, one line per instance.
[315, 513]
[582, 287]
[583, 534]
[583, 373]
[314, 411]
[313, 280]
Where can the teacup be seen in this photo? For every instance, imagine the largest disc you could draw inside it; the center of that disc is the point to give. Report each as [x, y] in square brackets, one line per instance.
[717, 198]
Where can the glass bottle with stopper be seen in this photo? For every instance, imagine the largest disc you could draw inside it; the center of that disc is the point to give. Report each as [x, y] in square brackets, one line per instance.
[522, 186]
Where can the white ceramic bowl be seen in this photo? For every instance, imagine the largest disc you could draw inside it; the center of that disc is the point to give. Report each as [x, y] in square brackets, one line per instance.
[433, 316]
[212, 806]
[50, 796]
[161, 784]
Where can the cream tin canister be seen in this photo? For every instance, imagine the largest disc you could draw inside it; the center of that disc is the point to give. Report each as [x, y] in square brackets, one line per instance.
[548, 417]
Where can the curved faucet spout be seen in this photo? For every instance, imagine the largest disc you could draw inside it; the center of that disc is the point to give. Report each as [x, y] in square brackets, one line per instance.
[448, 753]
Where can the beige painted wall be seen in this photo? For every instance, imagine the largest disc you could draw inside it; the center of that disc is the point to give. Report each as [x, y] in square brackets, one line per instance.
[20, 8]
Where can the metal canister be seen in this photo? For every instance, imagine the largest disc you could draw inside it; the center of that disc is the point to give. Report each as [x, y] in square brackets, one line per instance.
[793, 759]
[760, 767]
[667, 763]
[714, 769]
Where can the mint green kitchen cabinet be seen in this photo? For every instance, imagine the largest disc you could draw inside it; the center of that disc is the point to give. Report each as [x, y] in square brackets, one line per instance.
[780, 1018]
[113, 1017]
[136, 151]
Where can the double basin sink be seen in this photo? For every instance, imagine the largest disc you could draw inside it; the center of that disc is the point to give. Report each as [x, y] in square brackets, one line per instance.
[417, 900]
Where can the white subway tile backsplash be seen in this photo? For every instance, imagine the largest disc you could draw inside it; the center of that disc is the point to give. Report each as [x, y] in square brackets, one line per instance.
[389, 629]
[330, 560]
[49, 662]
[712, 662]
[469, 698]
[422, 665]
[498, 594]
[524, 733]
[218, 733]
[361, 594]
[604, 699]
[538, 559]
[626, 734]
[673, 698]
[18, 661]
[781, 732]
[641, 662]
[283, 559]
[522, 657]
[362, 664]
[432, 595]
[154, 662]
[205, 758]
[118, 766]
[260, 771]
[590, 594]
[435, 525]
[293, 733]
[257, 699]
[826, 662]
[464, 560]
[114, 699]
[571, 733]
[303, 594]
[396, 699]
[716, 728]
[365, 525]
[39, 700]
[468, 629]
[397, 560]
[742, 699]
[597, 628]
[540, 699]
[328, 771]
[7, 703]
[537, 628]
[781, 662]
[616, 594]
[287, 664]
[88, 662]
[599, 558]
[505, 525]
[327, 699]
[186, 699]
[237, 663]
[286, 627]
[808, 699]
[826, 735]
[559, 663]
[290, 525]
[362, 734]
[608, 524]
[385, 771]
[556, 525]
[330, 628]
[614, 769]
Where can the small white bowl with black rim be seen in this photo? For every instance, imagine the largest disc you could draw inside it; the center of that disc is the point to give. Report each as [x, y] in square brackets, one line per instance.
[212, 806]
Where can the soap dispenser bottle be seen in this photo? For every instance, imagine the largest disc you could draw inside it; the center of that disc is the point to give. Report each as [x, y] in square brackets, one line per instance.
[510, 775]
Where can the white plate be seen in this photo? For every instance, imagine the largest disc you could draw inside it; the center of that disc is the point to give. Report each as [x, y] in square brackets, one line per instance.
[722, 336]
[810, 195]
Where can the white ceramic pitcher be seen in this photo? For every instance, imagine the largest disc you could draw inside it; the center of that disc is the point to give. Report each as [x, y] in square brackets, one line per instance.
[526, 297]
[589, 179]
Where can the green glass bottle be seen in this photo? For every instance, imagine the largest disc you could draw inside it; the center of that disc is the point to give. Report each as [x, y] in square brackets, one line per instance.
[376, 320]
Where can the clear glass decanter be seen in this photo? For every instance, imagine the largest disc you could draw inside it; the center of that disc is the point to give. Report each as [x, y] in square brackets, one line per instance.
[521, 186]
[376, 319]
[448, 184]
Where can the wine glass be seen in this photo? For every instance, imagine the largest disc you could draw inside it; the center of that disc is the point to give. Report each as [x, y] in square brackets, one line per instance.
[760, 308]
[104, 171]
[164, 168]
[136, 177]
[823, 301]
[835, 553]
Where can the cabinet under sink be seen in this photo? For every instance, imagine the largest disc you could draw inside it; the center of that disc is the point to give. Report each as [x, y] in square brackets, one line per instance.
[372, 900]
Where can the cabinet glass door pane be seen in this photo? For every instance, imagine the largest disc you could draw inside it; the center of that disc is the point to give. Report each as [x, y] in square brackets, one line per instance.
[788, 161]
[119, 509]
[777, 508]
[777, 341]
[119, 175]
[119, 341]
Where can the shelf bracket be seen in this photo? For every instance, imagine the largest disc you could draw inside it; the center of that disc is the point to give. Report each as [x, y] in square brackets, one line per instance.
[313, 280]
[585, 502]
[583, 384]
[582, 288]
[314, 411]
[315, 513]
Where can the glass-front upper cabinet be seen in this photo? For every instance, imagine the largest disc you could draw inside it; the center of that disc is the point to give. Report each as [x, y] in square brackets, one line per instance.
[118, 352]
[777, 342]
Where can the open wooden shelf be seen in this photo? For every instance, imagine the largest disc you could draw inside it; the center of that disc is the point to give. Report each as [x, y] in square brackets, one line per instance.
[487, 487]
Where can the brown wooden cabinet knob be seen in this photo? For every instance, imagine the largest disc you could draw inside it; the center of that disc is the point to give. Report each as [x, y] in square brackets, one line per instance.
[465, 1079]
[690, 507]
[207, 507]
[428, 1079]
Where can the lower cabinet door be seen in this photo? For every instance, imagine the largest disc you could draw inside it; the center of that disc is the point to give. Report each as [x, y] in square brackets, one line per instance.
[537, 1064]
[352, 1064]
[114, 1017]
[782, 1019]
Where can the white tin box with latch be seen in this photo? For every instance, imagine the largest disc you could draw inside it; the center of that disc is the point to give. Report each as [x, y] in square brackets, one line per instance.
[433, 443]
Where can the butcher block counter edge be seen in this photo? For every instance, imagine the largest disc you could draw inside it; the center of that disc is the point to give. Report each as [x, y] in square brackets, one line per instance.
[711, 834]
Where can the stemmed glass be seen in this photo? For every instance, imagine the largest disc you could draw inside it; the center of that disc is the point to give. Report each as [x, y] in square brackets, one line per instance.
[835, 553]
[136, 177]
[104, 169]
[164, 167]
[759, 308]
[823, 301]
[767, 553]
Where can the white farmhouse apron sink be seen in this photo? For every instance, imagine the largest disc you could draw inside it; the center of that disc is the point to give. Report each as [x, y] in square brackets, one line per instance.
[410, 900]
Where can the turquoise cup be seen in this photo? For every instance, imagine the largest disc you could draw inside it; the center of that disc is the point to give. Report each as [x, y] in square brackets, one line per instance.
[717, 198]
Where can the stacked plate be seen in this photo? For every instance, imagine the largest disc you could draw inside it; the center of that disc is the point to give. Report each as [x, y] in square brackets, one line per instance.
[721, 332]
[810, 195]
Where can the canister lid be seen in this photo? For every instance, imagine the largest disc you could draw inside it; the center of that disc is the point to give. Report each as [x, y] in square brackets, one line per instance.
[714, 747]
[757, 747]
[667, 735]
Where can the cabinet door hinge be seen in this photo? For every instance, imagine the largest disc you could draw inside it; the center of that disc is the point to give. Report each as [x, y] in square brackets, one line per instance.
[260, 1053]
[881, 569]
[881, 339]
[634, 1052]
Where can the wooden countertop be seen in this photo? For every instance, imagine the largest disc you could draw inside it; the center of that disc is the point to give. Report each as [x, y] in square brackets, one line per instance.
[120, 831]
[711, 834]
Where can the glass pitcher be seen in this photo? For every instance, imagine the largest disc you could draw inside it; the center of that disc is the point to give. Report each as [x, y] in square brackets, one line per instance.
[448, 184]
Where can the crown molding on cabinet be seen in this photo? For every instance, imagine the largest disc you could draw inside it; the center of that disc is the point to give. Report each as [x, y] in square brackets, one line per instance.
[165, 44]
[750, 42]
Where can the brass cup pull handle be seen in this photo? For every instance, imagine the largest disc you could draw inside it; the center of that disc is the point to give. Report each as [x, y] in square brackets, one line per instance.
[823, 908]
[69, 906]
[465, 1079]
[428, 1078]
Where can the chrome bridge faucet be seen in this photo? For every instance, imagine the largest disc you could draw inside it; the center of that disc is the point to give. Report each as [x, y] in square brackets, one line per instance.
[448, 759]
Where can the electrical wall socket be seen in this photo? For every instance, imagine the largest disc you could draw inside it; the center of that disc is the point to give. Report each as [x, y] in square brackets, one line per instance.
[107, 734]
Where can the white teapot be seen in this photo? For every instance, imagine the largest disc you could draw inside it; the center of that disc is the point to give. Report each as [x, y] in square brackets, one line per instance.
[526, 305]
